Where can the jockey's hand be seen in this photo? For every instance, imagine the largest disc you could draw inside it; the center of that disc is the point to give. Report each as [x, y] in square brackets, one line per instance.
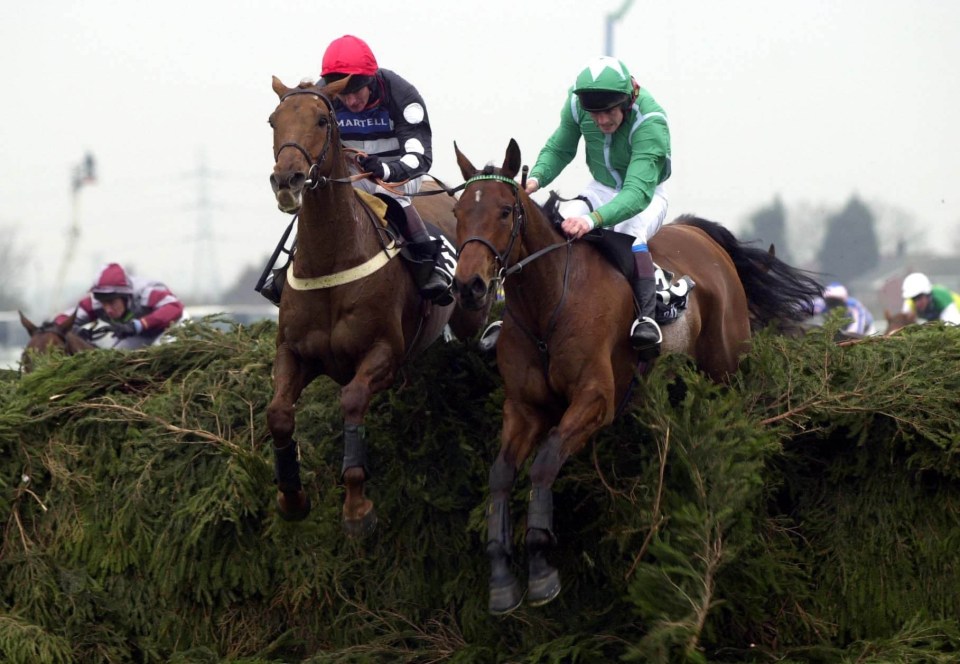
[371, 164]
[532, 185]
[124, 330]
[576, 227]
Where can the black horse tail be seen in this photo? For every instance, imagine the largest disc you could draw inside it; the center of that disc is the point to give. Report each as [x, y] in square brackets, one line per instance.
[776, 292]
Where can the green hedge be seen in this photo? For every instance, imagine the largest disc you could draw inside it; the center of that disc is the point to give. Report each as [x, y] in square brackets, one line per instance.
[807, 512]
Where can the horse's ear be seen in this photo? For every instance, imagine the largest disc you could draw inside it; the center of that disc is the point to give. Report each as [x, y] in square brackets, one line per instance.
[772, 251]
[279, 87]
[467, 169]
[67, 324]
[511, 161]
[335, 88]
[29, 326]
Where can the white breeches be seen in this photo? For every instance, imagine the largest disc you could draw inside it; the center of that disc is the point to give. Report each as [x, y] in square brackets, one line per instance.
[642, 226]
[409, 187]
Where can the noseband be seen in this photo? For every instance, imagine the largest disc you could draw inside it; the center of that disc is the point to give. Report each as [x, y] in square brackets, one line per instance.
[313, 180]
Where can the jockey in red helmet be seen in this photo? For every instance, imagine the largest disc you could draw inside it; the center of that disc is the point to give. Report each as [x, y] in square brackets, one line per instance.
[382, 115]
[136, 310]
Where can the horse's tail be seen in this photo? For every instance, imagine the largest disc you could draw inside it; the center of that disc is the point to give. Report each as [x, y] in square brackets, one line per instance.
[776, 292]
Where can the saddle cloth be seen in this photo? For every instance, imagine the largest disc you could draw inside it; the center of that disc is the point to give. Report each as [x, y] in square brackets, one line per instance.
[671, 296]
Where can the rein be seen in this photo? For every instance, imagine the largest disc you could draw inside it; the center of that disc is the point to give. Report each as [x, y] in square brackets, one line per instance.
[519, 223]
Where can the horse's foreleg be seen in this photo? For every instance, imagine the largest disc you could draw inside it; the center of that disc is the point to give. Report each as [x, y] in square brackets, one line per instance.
[505, 593]
[588, 412]
[522, 427]
[374, 374]
[289, 380]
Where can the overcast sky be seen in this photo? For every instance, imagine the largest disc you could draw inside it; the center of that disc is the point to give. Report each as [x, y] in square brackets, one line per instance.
[813, 101]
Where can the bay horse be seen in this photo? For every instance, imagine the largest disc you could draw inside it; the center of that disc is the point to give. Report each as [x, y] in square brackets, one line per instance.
[50, 337]
[564, 351]
[362, 318]
[899, 320]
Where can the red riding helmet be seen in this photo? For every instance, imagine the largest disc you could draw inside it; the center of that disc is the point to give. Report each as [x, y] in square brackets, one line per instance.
[348, 55]
[112, 280]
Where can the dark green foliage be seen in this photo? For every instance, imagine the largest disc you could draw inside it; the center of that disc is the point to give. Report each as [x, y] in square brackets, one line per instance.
[850, 246]
[806, 513]
[769, 226]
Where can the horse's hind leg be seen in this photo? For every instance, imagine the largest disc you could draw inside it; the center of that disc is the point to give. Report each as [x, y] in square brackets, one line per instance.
[375, 373]
[289, 380]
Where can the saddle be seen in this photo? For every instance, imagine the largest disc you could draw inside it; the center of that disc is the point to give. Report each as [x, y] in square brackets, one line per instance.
[420, 257]
[617, 248]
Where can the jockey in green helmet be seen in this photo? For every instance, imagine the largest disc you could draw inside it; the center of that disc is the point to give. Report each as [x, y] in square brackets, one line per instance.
[627, 143]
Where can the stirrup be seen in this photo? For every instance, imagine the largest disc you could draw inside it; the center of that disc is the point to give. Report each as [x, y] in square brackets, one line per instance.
[488, 340]
[273, 286]
[437, 288]
[640, 325]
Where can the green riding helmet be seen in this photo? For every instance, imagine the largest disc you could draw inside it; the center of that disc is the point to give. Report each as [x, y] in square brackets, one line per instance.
[604, 84]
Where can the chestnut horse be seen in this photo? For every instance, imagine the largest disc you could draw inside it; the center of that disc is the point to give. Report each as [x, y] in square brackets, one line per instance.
[899, 320]
[352, 310]
[50, 337]
[564, 351]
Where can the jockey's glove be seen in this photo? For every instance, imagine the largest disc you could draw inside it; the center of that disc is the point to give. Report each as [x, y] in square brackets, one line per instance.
[124, 330]
[371, 164]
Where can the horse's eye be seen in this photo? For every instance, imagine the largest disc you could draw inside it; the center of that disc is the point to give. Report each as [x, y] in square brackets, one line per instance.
[323, 121]
[506, 211]
[270, 121]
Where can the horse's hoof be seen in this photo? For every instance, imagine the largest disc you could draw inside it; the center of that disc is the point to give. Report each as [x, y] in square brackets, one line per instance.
[504, 599]
[293, 507]
[362, 527]
[543, 589]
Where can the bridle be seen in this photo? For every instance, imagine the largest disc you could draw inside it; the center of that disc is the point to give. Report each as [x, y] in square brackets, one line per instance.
[519, 221]
[519, 224]
[314, 180]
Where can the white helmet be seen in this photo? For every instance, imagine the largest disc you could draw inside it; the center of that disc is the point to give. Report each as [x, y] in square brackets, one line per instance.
[914, 284]
[835, 291]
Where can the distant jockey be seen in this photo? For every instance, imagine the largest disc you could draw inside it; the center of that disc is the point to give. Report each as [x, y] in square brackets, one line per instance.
[835, 295]
[136, 310]
[930, 301]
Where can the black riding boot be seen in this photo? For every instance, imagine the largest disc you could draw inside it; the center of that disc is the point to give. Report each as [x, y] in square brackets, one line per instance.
[645, 335]
[437, 287]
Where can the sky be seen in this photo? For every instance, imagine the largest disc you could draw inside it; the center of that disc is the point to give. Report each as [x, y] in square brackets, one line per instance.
[812, 102]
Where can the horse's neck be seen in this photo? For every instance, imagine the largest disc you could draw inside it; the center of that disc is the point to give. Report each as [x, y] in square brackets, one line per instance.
[75, 343]
[332, 230]
[541, 282]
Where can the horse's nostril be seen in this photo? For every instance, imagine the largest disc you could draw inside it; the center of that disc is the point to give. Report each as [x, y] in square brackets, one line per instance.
[298, 180]
[478, 288]
[274, 183]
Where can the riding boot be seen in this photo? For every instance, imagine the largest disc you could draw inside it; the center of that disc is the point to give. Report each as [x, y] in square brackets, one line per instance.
[645, 334]
[437, 287]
